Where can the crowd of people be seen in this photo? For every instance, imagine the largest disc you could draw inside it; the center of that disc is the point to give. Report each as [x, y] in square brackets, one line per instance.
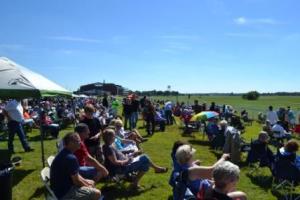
[105, 145]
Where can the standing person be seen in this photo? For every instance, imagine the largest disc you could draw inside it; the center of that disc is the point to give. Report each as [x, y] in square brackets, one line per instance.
[149, 113]
[143, 101]
[93, 142]
[272, 116]
[291, 117]
[115, 106]
[196, 107]
[65, 180]
[135, 111]
[105, 101]
[168, 112]
[14, 112]
[127, 111]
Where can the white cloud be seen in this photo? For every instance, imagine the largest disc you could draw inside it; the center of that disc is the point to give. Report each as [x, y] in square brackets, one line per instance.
[248, 21]
[74, 39]
[240, 21]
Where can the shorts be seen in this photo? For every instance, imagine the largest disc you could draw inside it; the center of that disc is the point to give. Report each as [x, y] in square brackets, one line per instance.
[80, 193]
[88, 172]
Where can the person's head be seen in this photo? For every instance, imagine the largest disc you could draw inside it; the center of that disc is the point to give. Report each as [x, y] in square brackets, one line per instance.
[176, 145]
[196, 102]
[263, 137]
[226, 176]
[291, 146]
[270, 108]
[71, 141]
[83, 130]
[118, 124]
[184, 154]
[223, 124]
[108, 136]
[89, 111]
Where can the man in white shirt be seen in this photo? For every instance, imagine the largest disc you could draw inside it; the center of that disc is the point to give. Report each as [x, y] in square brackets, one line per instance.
[272, 116]
[14, 112]
[279, 131]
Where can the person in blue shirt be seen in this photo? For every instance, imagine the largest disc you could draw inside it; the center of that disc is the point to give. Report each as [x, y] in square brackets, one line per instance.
[65, 180]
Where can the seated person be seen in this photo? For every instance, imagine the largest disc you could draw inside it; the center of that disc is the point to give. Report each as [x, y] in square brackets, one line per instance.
[65, 180]
[260, 151]
[176, 166]
[28, 121]
[184, 156]
[93, 142]
[279, 132]
[47, 124]
[118, 163]
[225, 176]
[89, 168]
[159, 119]
[289, 151]
[212, 129]
[131, 135]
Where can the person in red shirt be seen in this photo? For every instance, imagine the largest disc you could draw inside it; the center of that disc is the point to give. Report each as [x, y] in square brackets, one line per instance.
[90, 168]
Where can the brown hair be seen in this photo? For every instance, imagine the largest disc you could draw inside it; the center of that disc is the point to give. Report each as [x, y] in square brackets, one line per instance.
[107, 135]
[291, 146]
[89, 108]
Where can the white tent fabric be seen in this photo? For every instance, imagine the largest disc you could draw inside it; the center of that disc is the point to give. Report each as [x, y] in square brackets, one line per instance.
[16, 80]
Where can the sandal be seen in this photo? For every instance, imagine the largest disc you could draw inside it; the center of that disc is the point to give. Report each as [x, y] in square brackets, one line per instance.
[161, 170]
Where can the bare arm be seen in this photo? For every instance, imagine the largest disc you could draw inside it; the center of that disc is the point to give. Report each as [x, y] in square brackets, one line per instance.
[202, 172]
[93, 162]
[80, 181]
[112, 158]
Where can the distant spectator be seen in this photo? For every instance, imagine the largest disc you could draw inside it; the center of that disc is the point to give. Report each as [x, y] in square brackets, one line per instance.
[272, 116]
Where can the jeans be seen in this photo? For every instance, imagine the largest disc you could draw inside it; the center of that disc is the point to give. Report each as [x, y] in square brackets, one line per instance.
[127, 120]
[133, 119]
[168, 114]
[142, 164]
[88, 172]
[13, 128]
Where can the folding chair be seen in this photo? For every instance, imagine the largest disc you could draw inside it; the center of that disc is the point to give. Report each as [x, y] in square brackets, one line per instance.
[287, 175]
[45, 175]
[50, 160]
[259, 156]
[180, 189]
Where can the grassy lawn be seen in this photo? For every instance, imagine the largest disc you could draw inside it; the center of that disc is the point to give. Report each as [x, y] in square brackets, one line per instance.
[28, 185]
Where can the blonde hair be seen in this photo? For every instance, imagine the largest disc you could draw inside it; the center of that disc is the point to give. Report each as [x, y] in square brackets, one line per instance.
[184, 153]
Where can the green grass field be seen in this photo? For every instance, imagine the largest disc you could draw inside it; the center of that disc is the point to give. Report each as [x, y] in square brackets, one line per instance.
[28, 185]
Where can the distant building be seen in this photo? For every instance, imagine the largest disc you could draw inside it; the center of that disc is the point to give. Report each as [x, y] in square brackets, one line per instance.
[98, 89]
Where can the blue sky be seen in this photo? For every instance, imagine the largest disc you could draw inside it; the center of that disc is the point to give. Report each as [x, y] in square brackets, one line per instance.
[192, 45]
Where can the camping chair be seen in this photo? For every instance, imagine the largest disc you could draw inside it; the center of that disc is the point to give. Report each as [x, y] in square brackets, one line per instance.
[287, 175]
[259, 156]
[218, 141]
[50, 160]
[45, 175]
[180, 189]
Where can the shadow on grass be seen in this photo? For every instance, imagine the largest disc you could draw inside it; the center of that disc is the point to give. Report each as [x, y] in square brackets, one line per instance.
[263, 181]
[19, 175]
[38, 138]
[38, 193]
[122, 192]
[199, 142]
[281, 195]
